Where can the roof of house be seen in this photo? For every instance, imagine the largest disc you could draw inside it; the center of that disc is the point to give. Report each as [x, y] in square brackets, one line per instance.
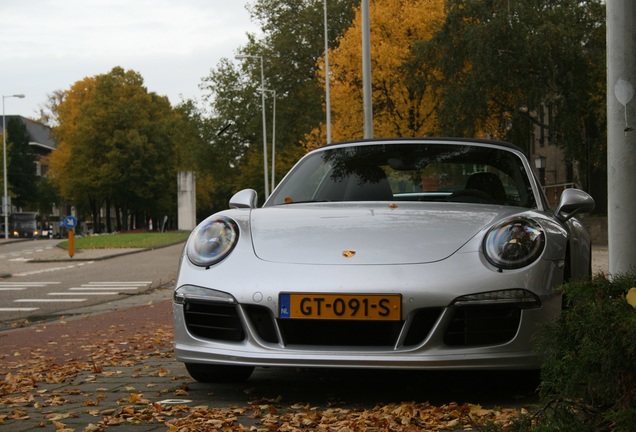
[40, 135]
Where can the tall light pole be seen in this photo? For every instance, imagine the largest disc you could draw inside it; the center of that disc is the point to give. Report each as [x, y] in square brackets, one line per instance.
[265, 176]
[273, 92]
[5, 196]
[367, 94]
[327, 96]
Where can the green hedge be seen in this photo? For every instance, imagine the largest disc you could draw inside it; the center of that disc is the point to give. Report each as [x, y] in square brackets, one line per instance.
[588, 380]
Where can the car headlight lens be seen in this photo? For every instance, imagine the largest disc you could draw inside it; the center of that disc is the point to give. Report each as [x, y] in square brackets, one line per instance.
[514, 244]
[212, 241]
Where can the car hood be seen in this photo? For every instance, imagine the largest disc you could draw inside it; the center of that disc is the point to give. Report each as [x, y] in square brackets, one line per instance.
[361, 234]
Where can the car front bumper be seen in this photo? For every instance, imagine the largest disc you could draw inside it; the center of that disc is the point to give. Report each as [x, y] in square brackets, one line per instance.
[262, 338]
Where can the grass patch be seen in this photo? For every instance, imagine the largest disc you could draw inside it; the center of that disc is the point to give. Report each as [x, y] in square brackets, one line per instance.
[129, 240]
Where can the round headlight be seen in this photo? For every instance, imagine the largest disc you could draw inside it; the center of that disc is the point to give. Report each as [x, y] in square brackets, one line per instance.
[514, 244]
[212, 241]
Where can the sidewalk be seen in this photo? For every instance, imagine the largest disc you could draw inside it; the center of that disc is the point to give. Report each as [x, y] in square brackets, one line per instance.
[600, 259]
[109, 368]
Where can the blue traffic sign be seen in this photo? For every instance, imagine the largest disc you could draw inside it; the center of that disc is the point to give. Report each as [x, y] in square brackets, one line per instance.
[70, 222]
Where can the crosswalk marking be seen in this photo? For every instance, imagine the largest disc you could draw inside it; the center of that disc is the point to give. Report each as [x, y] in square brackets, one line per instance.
[27, 284]
[77, 294]
[99, 288]
[82, 293]
[134, 283]
[79, 264]
[47, 300]
[21, 286]
[105, 288]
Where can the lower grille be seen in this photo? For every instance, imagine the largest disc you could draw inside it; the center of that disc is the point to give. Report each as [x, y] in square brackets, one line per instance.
[483, 325]
[469, 326]
[421, 325]
[339, 333]
[218, 321]
[213, 321]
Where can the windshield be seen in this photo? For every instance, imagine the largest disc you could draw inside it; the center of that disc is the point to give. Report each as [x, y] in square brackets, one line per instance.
[408, 172]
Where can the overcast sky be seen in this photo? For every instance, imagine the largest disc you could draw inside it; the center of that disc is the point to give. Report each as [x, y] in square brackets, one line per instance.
[47, 45]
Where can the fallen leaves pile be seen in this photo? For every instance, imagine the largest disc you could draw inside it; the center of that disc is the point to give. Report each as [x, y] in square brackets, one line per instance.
[42, 382]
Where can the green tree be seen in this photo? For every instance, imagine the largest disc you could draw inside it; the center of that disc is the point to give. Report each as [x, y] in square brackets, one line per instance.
[116, 148]
[21, 164]
[194, 153]
[504, 66]
[47, 196]
[291, 44]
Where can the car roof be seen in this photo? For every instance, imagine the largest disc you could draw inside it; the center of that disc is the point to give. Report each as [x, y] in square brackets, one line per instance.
[441, 140]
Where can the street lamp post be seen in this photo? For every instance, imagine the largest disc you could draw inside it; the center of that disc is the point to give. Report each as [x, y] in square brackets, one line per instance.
[327, 96]
[5, 196]
[265, 176]
[273, 92]
[367, 93]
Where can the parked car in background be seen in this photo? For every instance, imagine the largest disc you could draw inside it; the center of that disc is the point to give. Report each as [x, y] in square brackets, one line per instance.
[391, 253]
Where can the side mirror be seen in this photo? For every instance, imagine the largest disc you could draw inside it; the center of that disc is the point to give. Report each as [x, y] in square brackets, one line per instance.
[573, 201]
[247, 198]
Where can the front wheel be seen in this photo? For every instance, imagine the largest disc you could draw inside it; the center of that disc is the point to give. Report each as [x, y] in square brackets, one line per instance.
[212, 373]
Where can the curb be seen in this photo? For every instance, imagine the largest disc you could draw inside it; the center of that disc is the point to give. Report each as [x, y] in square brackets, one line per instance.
[98, 258]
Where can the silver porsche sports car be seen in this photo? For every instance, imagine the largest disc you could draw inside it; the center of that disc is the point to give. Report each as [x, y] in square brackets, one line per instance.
[391, 253]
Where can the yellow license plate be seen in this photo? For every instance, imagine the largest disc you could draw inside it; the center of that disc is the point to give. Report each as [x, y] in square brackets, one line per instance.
[372, 307]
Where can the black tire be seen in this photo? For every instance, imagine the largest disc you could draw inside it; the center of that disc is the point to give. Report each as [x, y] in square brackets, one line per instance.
[210, 373]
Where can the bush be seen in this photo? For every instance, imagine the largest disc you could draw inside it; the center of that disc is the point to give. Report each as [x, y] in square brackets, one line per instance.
[588, 380]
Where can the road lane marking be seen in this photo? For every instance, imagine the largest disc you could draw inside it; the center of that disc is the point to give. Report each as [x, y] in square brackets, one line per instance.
[54, 269]
[110, 288]
[121, 283]
[81, 293]
[12, 283]
[47, 300]
[18, 309]
[21, 286]
[98, 288]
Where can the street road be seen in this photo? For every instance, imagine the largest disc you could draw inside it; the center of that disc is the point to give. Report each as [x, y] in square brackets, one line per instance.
[37, 289]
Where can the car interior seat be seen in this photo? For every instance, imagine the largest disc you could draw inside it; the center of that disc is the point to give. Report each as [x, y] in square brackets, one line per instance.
[488, 183]
[368, 185]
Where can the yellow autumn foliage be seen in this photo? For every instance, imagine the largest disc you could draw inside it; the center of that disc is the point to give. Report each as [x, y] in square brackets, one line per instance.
[395, 26]
[631, 297]
[69, 116]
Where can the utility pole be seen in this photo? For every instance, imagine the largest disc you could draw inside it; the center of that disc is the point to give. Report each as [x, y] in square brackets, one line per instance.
[327, 95]
[367, 94]
[621, 134]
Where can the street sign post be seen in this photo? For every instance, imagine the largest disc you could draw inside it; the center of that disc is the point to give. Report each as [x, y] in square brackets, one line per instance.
[70, 222]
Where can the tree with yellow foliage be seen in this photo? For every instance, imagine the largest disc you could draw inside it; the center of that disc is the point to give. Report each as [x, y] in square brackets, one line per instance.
[403, 100]
[116, 148]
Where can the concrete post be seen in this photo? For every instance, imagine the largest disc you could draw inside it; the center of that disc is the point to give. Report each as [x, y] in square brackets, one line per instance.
[621, 135]
[186, 201]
